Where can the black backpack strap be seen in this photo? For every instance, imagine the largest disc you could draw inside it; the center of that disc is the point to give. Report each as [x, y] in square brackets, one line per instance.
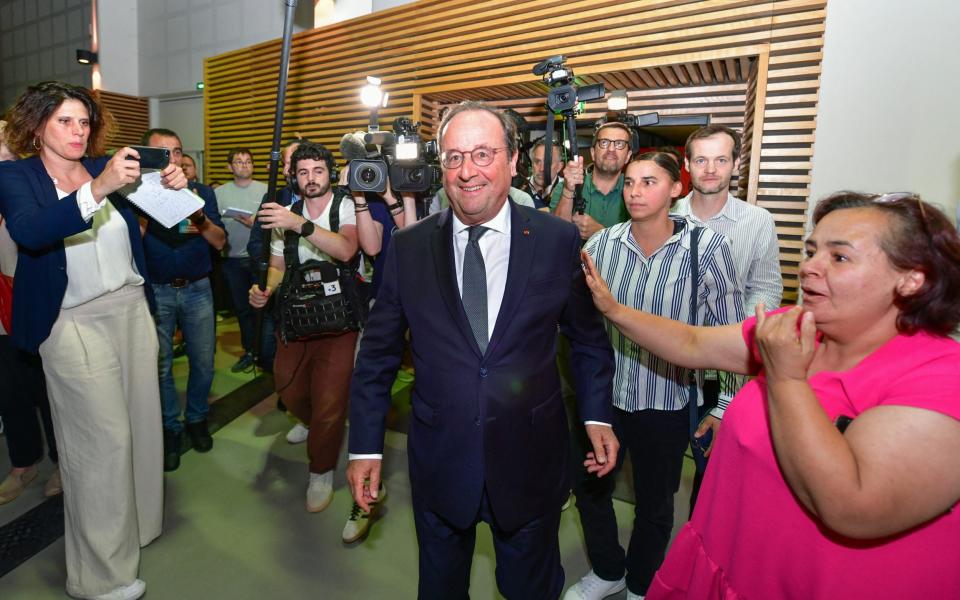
[291, 241]
[692, 320]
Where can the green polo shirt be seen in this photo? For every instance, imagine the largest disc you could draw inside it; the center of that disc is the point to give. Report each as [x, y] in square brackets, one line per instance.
[606, 209]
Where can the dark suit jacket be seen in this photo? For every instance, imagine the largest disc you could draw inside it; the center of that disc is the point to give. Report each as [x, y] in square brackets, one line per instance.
[495, 420]
[39, 222]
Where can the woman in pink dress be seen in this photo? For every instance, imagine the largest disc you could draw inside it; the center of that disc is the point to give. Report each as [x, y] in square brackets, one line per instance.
[836, 473]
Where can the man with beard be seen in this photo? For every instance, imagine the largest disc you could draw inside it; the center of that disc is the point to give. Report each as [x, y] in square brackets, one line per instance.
[603, 187]
[712, 157]
[313, 377]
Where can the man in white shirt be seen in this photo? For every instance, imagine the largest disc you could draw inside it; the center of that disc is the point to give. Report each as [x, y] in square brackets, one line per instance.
[712, 157]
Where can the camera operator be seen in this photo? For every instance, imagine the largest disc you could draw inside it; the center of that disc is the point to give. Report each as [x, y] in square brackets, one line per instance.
[313, 376]
[602, 187]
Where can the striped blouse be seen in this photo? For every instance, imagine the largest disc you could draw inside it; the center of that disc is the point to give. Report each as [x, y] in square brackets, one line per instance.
[660, 284]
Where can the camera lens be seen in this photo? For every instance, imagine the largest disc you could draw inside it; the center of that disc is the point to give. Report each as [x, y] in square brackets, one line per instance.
[416, 175]
[367, 175]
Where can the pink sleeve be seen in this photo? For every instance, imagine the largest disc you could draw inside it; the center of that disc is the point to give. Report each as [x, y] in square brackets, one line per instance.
[934, 383]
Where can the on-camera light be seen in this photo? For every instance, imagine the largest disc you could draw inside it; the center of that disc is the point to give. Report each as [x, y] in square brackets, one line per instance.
[617, 100]
[371, 95]
[407, 150]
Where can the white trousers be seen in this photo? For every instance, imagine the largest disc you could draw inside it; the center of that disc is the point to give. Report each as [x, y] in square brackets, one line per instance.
[100, 363]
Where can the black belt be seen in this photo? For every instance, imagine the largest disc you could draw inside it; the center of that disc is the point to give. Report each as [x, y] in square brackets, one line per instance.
[182, 282]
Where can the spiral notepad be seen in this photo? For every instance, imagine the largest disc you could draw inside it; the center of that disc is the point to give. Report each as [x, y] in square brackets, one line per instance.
[167, 207]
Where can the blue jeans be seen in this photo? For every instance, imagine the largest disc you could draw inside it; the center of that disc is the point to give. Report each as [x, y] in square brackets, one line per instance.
[191, 307]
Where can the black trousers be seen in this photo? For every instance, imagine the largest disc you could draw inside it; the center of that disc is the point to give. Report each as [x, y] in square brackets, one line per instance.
[711, 394]
[528, 559]
[656, 441]
[24, 392]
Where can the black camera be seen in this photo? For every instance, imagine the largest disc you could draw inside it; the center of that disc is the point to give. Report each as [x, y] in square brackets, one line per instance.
[564, 95]
[368, 175]
[413, 163]
[410, 164]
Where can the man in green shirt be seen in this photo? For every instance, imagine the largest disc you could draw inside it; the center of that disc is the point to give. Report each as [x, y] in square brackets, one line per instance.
[602, 187]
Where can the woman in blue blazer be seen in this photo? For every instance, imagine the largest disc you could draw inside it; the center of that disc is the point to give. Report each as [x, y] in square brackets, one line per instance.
[80, 301]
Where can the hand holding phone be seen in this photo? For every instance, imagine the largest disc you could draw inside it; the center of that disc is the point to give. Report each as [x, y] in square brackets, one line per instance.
[152, 158]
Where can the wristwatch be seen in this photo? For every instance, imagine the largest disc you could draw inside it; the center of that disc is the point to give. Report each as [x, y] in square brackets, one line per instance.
[306, 230]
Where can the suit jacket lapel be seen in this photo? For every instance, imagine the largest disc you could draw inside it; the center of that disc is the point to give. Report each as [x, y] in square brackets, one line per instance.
[442, 245]
[522, 250]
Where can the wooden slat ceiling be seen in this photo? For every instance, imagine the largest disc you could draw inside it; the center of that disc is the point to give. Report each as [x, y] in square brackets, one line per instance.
[434, 52]
[672, 76]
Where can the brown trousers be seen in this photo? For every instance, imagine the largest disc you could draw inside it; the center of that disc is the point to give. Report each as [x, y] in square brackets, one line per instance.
[313, 380]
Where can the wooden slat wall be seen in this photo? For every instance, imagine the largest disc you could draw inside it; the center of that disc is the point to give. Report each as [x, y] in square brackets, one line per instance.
[428, 49]
[132, 115]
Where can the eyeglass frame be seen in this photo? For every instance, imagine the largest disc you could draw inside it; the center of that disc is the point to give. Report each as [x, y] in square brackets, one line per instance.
[604, 143]
[242, 163]
[445, 156]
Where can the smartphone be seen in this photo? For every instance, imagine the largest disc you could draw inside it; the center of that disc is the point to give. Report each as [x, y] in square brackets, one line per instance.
[152, 158]
[703, 442]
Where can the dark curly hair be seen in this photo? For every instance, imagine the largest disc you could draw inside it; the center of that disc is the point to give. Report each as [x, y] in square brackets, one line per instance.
[34, 107]
[921, 238]
[312, 151]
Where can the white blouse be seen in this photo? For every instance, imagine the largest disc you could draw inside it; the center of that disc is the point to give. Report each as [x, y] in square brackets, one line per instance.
[99, 260]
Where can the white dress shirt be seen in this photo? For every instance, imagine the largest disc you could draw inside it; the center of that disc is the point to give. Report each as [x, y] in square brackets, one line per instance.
[495, 249]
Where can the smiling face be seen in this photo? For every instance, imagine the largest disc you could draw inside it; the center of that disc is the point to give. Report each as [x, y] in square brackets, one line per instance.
[66, 131]
[477, 193]
[847, 280]
[711, 164]
[648, 190]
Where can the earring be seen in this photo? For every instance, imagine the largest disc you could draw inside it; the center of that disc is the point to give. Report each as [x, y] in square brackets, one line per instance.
[36, 143]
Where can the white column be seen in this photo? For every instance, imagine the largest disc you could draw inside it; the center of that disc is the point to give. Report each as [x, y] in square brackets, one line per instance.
[118, 42]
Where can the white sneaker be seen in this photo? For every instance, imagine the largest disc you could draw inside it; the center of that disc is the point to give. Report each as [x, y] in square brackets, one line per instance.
[319, 491]
[298, 433]
[591, 587]
[127, 592]
[632, 596]
[358, 523]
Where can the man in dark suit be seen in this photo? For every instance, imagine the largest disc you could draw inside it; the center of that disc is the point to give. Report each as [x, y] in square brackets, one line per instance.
[482, 287]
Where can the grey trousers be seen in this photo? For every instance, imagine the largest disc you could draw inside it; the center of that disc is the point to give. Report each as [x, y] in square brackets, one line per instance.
[100, 363]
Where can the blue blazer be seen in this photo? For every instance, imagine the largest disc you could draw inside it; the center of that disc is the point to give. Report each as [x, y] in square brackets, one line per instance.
[39, 222]
[494, 420]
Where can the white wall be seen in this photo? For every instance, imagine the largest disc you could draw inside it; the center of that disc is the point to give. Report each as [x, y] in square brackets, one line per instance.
[889, 114]
[38, 42]
[176, 35]
[118, 35]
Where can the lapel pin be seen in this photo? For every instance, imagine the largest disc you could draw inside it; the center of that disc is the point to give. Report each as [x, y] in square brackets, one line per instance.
[526, 231]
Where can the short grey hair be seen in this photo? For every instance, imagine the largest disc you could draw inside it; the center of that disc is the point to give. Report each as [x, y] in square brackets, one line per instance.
[509, 127]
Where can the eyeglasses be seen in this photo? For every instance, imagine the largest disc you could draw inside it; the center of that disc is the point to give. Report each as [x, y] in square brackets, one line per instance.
[604, 143]
[481, 157]
[243, 163]
[897, 196]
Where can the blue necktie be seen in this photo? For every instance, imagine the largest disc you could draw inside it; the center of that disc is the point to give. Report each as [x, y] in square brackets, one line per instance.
[475, 287]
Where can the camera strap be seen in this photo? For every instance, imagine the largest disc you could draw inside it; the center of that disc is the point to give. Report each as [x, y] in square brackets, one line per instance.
[692, 320]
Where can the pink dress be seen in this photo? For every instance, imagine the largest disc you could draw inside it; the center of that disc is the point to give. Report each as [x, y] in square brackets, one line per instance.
[751, 538]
